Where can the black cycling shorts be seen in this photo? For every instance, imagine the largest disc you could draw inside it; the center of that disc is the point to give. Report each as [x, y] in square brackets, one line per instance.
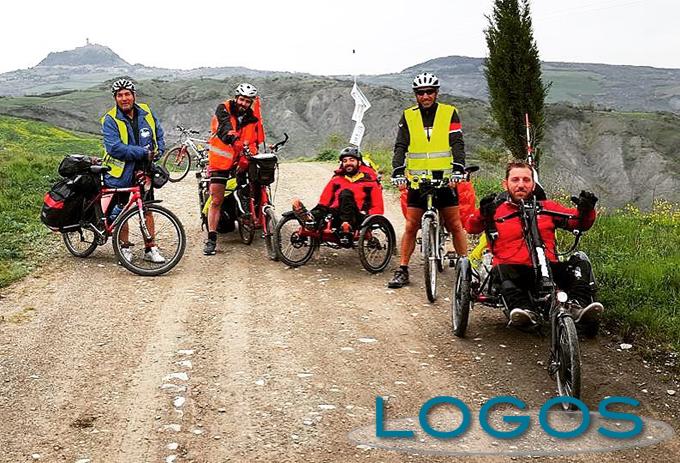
[443, 197]
[220, 177]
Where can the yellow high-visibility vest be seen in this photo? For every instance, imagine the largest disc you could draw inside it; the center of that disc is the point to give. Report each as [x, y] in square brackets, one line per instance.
[427, 155]
[116, 165]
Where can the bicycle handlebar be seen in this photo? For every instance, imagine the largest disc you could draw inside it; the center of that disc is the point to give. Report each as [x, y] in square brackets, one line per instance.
[456, 177]
[191, 131]
[277, 146]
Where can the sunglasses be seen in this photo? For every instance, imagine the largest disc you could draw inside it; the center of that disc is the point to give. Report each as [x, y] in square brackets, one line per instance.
[427, 91]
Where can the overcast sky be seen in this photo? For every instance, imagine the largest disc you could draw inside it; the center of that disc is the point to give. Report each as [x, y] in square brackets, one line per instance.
[318, 36]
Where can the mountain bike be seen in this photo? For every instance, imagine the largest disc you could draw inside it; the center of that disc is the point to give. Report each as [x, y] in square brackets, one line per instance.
[146, 222]
[433, 233]
[547, 300]
[260, 214]
[178, 159]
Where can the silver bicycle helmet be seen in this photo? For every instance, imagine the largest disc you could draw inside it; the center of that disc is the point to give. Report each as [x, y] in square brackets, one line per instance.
[247, 90]
[425, 80]
[122, 84]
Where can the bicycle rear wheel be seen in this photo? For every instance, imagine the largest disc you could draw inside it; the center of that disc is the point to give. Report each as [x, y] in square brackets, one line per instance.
[428, 231]
[269, 231]
[178, 162]
[568, 357]
[168, 235]
[246, 229]
[80, 242]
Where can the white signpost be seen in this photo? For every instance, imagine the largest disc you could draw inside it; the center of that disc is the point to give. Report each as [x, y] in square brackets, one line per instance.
[361, 105]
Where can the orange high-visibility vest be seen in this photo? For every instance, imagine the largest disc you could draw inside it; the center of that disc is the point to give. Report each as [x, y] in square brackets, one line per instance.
[222, 156]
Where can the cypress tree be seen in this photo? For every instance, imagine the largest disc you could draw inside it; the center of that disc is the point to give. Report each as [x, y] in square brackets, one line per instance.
[513, 75]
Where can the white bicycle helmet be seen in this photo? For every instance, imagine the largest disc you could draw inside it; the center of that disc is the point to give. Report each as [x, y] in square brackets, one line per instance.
[247, 90]
[122, 84]
[425, 80]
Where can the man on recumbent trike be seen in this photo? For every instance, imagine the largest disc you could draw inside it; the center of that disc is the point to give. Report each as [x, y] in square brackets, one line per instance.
[513, 270]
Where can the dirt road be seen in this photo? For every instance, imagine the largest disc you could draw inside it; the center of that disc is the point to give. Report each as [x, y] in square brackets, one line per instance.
[237, 358]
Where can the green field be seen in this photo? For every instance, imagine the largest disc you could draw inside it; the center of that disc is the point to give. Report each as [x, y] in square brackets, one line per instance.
[29, 155]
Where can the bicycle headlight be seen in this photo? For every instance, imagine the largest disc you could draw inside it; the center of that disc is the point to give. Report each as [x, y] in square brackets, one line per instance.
[562, 296]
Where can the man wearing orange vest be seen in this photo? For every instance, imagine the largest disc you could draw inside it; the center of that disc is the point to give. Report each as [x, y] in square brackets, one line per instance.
[236, 124]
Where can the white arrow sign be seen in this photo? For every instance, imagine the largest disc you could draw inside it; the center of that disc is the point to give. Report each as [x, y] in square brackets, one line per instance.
[361, 103]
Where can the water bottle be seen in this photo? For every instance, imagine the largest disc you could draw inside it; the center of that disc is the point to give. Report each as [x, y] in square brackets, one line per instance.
[145, 138]
[114, 212]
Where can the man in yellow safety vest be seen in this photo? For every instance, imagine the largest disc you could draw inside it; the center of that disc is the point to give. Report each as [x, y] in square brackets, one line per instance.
[132, 137]
[429, 139]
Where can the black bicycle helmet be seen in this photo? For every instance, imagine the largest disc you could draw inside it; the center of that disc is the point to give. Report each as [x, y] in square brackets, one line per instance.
[350, 151]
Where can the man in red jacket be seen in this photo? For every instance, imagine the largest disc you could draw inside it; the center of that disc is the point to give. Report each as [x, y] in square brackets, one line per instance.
[511, 258]
[352, 193]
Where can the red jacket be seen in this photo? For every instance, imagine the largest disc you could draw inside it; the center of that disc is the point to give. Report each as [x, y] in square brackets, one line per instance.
[510, 247]
[365, 186]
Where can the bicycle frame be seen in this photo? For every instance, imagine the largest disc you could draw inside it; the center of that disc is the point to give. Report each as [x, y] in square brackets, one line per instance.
[103, 200]
[547, 294]
[440, 232]
[260, 205]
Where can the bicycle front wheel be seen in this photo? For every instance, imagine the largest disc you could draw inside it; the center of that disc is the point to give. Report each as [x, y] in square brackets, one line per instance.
[269, 230]
[166, 232]
[462, 298]
[178, 162]
[376, 243]
[568, 356]
[429, 241]
[293, 246]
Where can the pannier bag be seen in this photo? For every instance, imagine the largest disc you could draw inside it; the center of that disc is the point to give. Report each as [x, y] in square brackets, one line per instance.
[87, 185]
[62, 207]
[76, 164]
[262, 169]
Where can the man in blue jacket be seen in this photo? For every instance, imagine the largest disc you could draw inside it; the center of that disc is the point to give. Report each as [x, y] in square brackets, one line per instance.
[132, 137]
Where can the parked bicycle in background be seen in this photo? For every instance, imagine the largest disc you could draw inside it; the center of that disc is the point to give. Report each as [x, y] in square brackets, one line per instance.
[189, 150]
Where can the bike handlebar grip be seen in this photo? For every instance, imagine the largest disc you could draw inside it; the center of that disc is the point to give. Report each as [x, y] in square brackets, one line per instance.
[195, 132]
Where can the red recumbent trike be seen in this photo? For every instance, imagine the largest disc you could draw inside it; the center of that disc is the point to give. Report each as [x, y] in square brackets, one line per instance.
[375, 239]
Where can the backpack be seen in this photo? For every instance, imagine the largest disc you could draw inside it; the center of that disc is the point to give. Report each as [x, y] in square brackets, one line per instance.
[62, 207]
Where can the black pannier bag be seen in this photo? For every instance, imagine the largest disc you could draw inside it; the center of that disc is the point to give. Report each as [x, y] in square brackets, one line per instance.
[263, 169]
[87, 185]
[62, 207]
[76, 164]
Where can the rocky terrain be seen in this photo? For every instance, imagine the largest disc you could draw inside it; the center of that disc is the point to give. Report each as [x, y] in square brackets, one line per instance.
[616, 154]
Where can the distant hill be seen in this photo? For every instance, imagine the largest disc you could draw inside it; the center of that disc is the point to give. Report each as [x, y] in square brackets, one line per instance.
[628, 88]
[92, 64]
[624, 157]
[88, 55]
